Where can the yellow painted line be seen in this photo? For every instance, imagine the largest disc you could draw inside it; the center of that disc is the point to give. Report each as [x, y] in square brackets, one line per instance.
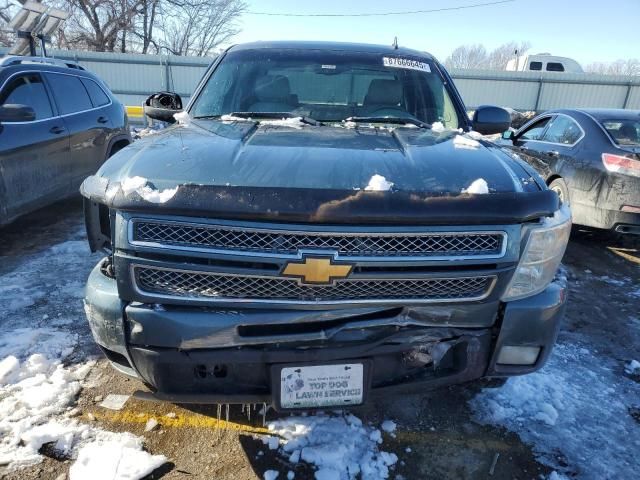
[182, 420]
[133, 111]
[623, 252]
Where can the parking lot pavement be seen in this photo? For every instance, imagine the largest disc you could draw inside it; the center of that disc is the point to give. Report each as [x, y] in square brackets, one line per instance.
[575, 417]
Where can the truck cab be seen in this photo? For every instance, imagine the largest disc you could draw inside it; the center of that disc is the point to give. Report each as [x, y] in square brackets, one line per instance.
[543, 62]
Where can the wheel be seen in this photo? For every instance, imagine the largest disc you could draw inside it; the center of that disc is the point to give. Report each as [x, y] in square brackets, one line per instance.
[560, 187]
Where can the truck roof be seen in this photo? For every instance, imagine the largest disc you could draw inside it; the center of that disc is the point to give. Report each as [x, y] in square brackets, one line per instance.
[340, 46]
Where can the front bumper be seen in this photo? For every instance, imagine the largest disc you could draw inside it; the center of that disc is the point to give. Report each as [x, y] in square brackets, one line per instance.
[197, 355]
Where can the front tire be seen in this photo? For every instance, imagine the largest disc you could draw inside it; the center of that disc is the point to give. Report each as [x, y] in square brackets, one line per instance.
[560, 187]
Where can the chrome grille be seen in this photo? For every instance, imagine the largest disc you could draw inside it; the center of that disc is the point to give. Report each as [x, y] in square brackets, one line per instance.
[223, 237]
[216, 286]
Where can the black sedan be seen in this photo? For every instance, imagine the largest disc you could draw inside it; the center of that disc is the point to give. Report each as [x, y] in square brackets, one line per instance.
[591, 159]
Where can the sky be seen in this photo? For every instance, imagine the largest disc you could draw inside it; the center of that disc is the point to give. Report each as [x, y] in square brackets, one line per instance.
[586, 30]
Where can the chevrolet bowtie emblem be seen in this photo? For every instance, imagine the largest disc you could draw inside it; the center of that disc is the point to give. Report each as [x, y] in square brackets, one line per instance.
[317, 270]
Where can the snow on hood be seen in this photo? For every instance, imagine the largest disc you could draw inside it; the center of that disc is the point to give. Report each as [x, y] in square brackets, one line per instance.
[477, 187]
[378, 183]
[285, 122]
[462, 141]
[295, 122]
[140, 186]
[438, 127]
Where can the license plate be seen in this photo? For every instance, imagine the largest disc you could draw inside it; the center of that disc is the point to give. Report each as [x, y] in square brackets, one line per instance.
[322, 386]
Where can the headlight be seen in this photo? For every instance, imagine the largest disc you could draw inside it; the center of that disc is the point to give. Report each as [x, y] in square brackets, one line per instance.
[541, 257]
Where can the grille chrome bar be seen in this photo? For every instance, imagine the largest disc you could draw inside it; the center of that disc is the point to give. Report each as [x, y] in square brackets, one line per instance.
[170, 283]
[383, 245]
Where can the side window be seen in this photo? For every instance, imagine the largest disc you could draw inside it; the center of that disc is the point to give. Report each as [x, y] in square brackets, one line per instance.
[535, 66]
[534, 132]
[562, 130]
[97, 95]
[69, 93]
[555, 67]
[28, 90]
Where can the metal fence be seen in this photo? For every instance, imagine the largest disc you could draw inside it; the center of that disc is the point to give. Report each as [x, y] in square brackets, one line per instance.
[132, 77]
[543, 91]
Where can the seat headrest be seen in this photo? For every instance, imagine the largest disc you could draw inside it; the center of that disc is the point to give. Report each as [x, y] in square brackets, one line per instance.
[383, 92]
[273, 88]
[628, 131]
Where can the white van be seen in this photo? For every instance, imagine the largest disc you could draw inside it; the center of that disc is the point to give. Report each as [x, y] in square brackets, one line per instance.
[543, 62]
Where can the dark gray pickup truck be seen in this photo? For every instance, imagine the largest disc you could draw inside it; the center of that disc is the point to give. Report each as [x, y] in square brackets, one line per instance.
[322, 224]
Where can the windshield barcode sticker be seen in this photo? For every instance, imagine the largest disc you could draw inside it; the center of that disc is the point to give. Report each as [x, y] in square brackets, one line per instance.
[395, 62]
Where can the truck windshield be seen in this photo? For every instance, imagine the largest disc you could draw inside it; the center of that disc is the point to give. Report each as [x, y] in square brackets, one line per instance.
[328, 86]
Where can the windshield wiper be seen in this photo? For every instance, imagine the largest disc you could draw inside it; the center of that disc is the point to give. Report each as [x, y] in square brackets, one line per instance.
[276, 116]
[394, 120]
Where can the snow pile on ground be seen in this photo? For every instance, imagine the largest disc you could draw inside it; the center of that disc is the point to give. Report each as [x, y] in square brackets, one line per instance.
[575, 412]
[339, 446]
[388, 426]
[36, 390]
[477, 187]
[33, 388]
[378, 183]
[46, 289]
[140, 186]
[43, 362]
[114, 456]
[633, 367]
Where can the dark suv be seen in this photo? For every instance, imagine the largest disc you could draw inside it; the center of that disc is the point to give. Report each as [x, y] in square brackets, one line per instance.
[58, 124]
[322, 224]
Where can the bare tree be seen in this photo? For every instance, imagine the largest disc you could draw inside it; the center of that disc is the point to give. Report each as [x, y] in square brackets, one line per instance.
[619, 67]
[197, 27]
[6, 12]
[99, 24]
[180, 27]
[467, 56]
[498, 58]
[146, 26]
[476, 56]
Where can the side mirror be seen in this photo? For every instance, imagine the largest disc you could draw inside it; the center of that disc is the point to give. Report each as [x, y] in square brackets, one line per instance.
[490, 120]
[163, 106]
[17, 113]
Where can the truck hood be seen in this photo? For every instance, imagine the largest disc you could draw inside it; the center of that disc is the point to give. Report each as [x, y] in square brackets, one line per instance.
[271, 168]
